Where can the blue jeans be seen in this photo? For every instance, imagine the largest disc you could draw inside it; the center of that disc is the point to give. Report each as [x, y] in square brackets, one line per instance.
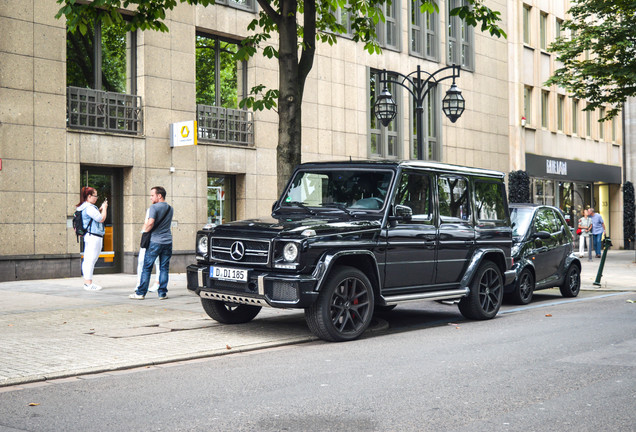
[597, 242]
[164, 252]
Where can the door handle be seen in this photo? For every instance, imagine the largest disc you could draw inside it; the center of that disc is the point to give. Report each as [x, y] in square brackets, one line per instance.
[469, 242]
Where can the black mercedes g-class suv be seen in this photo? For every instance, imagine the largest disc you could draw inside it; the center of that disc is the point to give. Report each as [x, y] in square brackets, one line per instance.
[347, 238]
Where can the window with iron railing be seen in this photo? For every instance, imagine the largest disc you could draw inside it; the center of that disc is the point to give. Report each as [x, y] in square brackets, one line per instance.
[225, 125]
[98, 110]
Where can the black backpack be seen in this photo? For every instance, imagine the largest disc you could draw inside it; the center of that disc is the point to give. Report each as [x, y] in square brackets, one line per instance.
[78, 225]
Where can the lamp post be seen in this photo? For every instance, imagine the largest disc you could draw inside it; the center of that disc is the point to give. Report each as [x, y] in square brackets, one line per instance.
[453, 103]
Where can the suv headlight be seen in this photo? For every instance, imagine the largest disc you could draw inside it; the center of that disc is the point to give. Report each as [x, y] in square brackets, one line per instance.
[202, 245]
[290, 252]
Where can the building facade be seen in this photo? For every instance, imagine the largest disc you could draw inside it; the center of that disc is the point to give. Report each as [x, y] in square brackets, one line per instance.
[105, 109]
[574, 161]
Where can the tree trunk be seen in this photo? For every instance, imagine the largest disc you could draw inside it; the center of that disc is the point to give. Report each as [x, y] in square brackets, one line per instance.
[289, 98]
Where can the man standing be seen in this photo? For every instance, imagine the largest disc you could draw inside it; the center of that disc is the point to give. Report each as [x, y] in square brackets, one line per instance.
[159, 221]
[598, 229]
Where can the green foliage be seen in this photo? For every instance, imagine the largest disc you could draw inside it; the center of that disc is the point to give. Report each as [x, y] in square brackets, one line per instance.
[361, 18]
[607, 76]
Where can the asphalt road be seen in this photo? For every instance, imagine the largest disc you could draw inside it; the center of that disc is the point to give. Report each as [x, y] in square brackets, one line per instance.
[554, 365]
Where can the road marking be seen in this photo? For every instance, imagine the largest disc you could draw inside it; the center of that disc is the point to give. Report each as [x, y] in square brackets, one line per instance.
[536, 306]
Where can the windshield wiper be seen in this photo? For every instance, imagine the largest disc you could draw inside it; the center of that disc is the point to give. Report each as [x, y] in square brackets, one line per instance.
[302, 206]
[339, 206]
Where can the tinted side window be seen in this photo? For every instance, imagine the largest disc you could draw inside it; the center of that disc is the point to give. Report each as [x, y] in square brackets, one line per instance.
[489, 202]
[414, 191]
[453, 199]
[544, 221]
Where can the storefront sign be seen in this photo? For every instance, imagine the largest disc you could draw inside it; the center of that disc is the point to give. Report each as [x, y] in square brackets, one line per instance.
[183, 133]
[556, 167]
[571, 170]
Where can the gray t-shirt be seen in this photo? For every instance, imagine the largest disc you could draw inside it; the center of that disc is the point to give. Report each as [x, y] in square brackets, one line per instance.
[161, 212]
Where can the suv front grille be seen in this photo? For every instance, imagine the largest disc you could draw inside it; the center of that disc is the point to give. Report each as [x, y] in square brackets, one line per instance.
[255, 251]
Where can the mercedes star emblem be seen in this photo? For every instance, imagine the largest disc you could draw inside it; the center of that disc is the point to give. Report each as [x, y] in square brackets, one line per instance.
[237, 251]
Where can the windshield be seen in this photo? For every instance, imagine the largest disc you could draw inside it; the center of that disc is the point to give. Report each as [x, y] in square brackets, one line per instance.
[339, 188]
[521, 219]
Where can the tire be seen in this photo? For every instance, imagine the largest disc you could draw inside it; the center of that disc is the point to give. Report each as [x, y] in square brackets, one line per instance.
[229, 313]
[344, 307]
[572, 282]
[486, 293]
[524, 287]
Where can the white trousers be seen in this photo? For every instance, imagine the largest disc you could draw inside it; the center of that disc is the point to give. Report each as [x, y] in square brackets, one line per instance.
[92, 248]
[140, 266]
[582, 240]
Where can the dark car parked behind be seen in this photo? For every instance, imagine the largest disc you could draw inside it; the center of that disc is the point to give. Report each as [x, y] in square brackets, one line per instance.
[543, 253]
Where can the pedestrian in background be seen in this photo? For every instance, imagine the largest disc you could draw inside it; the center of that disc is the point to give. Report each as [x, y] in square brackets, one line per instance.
[158, 223]
[585, 224]
[598, 229]
[140, 263]
[93, 220]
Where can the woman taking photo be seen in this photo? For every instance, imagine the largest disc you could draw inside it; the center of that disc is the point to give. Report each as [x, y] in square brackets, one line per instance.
[93, 220]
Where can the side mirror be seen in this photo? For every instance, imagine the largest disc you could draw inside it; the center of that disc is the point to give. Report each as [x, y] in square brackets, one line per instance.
[403, 212]
[543, 235]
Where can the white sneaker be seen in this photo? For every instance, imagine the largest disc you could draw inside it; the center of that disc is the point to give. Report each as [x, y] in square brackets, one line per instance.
[136, 296]
[92, 287]
[154, 288]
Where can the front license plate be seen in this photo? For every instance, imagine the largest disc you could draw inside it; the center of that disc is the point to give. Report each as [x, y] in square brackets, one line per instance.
[229, 274]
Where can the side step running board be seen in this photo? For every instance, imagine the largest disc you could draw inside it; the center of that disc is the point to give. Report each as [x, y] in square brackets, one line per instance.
[433, 295]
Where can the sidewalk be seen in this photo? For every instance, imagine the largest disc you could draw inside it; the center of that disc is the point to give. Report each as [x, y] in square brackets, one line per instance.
[54, 329]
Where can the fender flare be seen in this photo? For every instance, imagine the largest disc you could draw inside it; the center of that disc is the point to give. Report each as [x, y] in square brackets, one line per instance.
[328, 260]
[475, 262]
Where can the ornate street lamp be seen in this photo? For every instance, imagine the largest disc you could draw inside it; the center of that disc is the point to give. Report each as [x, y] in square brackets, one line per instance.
[385, 107]
[453, 104]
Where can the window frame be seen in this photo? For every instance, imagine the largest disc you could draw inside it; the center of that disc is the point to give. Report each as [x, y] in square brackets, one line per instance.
[428, 32]
[237, 5]
[560, 112]
[543, 31]
[527, 104]
[431, 120]
[390, 20]
[526, 24]
[545, 109]
[461, 36]
[575, 117]
[430, 220]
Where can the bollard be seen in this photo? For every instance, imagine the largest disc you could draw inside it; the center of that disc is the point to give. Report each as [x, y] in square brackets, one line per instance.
[607, 243]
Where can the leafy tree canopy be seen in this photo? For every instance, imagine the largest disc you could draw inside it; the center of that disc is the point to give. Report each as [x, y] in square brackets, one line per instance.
[599, 54]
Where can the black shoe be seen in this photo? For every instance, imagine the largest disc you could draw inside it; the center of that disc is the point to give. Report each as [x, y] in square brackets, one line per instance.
[598, 256]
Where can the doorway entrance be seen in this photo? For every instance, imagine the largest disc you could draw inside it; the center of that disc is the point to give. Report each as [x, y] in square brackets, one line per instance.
[109, 185]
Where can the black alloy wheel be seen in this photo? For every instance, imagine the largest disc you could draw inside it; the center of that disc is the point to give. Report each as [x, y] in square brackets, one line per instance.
[229, 313]
[572, 283]
[344, 307]
[524, 287]
[486, 293]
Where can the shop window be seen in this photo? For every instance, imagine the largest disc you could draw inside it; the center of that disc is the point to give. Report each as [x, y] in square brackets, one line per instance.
[221, 198]
[383, 141]
[542, 191]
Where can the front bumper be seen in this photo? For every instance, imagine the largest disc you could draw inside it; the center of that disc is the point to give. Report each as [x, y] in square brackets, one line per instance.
[263, 288]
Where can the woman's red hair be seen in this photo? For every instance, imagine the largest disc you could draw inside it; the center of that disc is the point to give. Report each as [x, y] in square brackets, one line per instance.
[85, 193]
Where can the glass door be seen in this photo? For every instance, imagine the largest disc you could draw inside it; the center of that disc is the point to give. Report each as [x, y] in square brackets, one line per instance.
[108, 182]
